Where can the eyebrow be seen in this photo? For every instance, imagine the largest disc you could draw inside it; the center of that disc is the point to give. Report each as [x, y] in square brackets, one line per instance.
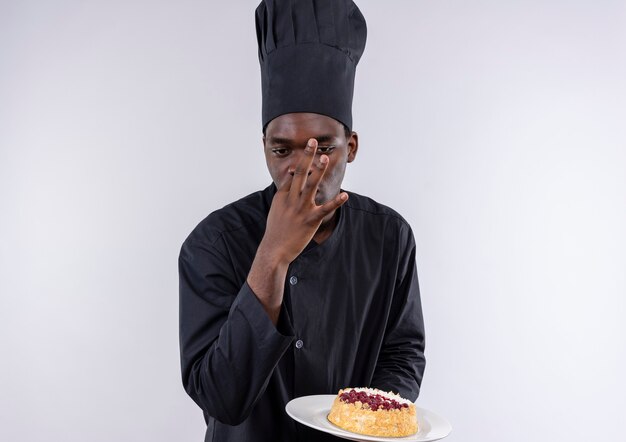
[320, 139]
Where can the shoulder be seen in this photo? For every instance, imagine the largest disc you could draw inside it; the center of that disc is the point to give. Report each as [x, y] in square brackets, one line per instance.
[246, 215]
[363, 208]
[381, 230]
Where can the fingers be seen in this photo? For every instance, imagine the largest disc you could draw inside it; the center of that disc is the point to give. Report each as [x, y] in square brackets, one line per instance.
[301, 171]
[313, 180]
[333, 204]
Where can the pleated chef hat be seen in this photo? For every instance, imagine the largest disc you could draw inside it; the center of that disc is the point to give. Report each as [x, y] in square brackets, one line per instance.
[308, 51]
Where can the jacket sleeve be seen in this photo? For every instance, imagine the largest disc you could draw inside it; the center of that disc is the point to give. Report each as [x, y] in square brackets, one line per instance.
[401, 361]
[229, 346]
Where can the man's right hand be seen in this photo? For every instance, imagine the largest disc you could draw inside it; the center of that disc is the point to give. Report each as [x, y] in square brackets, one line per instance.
[293, 219]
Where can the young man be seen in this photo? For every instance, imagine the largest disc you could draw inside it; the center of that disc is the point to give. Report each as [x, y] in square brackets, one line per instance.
[301, 288]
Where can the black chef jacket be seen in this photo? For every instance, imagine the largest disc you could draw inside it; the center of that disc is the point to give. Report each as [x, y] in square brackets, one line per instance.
[351, 317]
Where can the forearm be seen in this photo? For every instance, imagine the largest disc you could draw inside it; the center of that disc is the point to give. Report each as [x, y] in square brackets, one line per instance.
[400, 370]
[267, 279]
[292, 222]
[401, 360]
[229, 346]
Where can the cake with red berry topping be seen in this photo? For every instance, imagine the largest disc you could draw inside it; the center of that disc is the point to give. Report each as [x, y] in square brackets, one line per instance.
[373, 412]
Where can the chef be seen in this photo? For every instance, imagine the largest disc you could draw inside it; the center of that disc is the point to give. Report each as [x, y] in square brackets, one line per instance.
[301, 288]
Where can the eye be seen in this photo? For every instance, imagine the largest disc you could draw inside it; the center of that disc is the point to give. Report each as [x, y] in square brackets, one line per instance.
[280, 151]
[325, 149]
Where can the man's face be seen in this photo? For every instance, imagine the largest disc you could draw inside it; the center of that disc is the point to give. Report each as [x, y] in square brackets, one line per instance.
[286, 137]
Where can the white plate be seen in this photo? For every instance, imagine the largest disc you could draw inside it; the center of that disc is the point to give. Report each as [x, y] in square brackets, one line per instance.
[312, 411]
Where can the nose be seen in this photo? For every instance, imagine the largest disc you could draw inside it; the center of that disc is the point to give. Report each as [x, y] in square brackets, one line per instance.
[295, 160]
[293, 169]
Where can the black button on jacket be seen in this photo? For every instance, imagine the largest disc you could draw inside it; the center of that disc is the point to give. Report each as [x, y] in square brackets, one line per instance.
[351, 317]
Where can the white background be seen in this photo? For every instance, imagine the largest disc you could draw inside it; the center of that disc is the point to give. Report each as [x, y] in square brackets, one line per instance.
[497, 128]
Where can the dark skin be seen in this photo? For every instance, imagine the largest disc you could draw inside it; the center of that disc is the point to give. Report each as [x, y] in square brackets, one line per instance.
[306, 155]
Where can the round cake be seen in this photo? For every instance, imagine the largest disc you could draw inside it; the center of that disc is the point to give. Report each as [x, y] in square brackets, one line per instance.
[373, 412]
